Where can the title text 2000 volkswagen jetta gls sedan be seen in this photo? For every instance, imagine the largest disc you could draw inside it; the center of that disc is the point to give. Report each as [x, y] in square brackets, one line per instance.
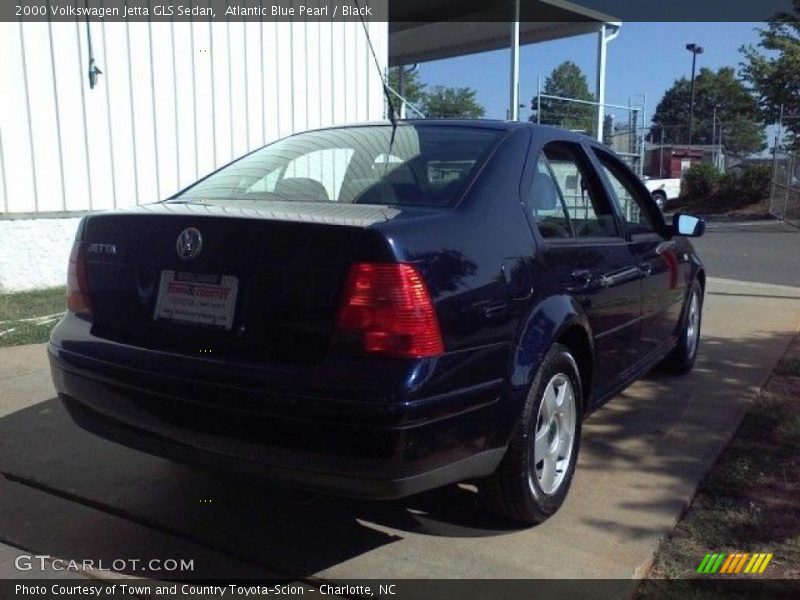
[375, 310]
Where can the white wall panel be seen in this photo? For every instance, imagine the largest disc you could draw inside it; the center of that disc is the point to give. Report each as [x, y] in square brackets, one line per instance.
[204, 99]
[147, 157]
[17, 154]
[101, 138]
[47, 150]
[74, 159]
[255, 87]
[185, 80]
[164, 105]
[175, 101]
[240, 109]
[116, 81]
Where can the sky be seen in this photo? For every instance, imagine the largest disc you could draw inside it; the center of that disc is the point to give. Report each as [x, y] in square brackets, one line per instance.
[646, 58]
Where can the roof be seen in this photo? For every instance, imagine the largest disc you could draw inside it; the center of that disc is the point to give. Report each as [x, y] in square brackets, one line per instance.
[549, 130]
[423, 30]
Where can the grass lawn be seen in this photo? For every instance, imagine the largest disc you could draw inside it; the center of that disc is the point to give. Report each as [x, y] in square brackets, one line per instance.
[749, 502]
[21, 315]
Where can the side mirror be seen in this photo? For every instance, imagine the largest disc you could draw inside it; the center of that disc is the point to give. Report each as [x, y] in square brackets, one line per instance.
[688, 225]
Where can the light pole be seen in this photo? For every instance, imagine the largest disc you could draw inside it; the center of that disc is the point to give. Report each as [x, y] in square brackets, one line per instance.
[714, 146]
[695, 49]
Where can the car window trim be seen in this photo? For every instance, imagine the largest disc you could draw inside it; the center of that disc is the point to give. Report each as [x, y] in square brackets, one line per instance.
[598, 184]
[586, 241]
[562, 203]
[637, 184]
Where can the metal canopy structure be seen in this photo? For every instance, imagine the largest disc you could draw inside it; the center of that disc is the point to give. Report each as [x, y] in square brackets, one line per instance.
[425, 30]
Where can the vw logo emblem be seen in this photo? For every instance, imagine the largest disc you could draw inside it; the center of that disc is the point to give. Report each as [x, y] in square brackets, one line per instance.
[189, 243]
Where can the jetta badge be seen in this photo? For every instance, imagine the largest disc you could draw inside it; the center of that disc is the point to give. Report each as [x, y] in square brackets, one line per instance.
[189, 243]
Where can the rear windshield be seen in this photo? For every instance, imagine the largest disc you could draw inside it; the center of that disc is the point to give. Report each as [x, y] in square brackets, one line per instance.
[417, 165]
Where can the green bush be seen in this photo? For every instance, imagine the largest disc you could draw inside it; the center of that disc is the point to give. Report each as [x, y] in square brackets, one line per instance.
[707, 189]
[728, 186]
[746, 186]
[701, 180]
[754, 182]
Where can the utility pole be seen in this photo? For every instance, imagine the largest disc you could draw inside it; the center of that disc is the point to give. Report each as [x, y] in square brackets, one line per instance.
[513, 108]
[695, 49]
[714, 135]
[401, 90]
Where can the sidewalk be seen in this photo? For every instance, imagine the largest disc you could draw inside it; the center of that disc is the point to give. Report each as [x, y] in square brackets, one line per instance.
[24, 377]
[642, 458]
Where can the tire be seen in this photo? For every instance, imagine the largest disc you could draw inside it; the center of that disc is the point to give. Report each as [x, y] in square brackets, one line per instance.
[660, 199]
[525, 488]
[681, 359]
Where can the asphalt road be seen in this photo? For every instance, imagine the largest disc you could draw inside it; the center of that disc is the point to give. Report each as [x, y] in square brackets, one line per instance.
[67, 493]
[762, 251]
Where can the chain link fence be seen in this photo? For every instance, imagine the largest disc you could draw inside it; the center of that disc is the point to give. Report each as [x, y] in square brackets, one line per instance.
[622, 129]
[784, 198]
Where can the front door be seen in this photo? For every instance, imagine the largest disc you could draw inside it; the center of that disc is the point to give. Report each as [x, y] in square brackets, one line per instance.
[663, 271]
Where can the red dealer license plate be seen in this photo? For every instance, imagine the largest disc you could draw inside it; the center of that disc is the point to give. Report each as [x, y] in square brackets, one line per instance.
[194, 298]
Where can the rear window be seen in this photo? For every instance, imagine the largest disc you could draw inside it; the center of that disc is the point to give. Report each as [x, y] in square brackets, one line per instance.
[425, 165]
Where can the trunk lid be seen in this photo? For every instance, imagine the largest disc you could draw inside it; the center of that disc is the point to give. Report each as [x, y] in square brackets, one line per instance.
[287, 261]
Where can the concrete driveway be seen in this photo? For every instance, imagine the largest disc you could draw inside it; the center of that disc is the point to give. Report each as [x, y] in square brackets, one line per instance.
[69, 494]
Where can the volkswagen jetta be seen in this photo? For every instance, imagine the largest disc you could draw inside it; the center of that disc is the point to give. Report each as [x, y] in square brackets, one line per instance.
[378, 310]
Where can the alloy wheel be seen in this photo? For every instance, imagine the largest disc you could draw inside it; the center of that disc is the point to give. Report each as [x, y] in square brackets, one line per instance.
[555, 434]
[693, 325]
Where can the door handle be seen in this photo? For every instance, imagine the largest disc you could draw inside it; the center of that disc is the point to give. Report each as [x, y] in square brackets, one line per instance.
[582, 278]
[492, 310]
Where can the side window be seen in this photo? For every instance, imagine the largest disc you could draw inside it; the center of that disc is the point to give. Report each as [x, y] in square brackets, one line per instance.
[547, 205]
[585, 209]
[626, 195]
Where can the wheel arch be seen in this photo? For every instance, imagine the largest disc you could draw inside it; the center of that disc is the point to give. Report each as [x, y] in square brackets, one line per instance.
[578, 341]
[701, 279]
[556, 319]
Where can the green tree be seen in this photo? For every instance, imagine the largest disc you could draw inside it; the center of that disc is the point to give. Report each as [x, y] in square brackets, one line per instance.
[451, 102]
[413, 88]
[773, 69]
[736, 108]
[568, 81]
[439, 101]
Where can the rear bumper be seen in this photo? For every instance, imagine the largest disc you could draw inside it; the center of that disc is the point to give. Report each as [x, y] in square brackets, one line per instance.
[364, 449]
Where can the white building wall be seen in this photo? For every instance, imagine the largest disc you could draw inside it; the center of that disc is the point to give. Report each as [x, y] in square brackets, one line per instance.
[175, 101]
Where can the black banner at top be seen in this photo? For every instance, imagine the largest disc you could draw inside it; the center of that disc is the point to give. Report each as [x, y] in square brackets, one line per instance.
[194, 10]
[393, 11]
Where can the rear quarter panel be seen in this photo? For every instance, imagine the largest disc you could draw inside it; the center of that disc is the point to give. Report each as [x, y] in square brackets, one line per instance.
[476, 259]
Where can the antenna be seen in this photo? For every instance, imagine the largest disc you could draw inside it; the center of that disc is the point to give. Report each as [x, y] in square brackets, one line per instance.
[386, 92]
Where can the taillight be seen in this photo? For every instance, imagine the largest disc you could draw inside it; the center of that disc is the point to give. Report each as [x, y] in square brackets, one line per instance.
[386, 309]
[78, 300]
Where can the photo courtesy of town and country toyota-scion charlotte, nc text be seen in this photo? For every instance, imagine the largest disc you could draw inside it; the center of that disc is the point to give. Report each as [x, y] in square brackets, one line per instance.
[212, 9]
[134, 590]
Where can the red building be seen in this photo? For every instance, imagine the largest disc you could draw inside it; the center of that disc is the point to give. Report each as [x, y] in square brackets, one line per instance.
[670, 162]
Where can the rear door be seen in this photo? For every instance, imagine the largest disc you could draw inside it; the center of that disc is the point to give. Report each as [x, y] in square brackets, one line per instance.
[663, 271]
[586, 254]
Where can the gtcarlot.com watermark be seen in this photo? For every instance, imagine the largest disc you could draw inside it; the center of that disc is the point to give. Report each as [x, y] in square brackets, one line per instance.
[45, 562]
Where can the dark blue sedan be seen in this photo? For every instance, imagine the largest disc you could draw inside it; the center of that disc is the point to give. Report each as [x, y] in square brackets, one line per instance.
[378, 310]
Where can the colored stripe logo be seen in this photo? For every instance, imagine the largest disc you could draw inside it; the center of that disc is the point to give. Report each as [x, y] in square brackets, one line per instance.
[734, 563]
